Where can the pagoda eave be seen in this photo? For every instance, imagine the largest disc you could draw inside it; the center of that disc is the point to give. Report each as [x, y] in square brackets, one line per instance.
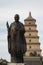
[30, 25]
[33, 43]
[29, 20]
[34, 50]
[31, 37]
[31, 31]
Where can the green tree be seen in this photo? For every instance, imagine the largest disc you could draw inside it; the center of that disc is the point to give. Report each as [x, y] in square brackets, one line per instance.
[33, 54]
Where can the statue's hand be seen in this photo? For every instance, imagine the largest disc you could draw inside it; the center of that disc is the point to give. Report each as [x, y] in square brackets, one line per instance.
[7, 24]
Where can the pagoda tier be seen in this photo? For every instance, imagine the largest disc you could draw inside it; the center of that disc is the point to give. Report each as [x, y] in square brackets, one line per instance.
[31, 35]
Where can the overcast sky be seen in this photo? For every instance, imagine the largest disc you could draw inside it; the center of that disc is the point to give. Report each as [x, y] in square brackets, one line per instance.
[8, 8]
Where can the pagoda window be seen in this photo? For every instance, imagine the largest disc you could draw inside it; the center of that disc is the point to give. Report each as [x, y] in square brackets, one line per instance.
[29, 23]
[29, 34]
[29, 46]
[29, 28]
[30, 40]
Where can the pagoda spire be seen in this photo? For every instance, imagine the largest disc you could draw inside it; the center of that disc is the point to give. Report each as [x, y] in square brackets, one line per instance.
[30, 18]
[30, 14]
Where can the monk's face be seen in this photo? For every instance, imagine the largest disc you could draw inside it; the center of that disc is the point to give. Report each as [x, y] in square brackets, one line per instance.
[16, 18]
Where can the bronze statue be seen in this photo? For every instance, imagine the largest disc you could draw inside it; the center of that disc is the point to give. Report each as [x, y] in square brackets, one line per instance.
[16, 40]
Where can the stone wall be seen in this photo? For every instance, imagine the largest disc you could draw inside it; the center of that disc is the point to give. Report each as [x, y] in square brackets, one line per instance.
[33, 61]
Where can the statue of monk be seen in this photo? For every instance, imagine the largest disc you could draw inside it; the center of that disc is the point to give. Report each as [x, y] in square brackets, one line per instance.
[16, 40]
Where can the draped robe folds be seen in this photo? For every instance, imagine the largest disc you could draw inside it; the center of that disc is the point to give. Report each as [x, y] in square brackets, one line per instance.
[16, 38]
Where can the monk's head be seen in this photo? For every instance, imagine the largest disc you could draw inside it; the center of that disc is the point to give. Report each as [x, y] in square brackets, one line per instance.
[16, 17]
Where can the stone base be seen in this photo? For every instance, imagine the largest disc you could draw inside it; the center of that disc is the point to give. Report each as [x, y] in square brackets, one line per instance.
[16, 64]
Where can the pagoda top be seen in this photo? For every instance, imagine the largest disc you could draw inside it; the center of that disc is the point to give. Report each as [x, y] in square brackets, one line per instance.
[30, 18]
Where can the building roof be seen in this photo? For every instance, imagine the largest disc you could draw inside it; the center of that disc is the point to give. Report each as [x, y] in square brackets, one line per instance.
[29, 18]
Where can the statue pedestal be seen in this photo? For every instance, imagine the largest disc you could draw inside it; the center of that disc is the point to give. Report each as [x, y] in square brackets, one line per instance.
[16, 64]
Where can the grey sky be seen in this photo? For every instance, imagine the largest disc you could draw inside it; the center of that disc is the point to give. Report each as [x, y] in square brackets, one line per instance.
[8, 8]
